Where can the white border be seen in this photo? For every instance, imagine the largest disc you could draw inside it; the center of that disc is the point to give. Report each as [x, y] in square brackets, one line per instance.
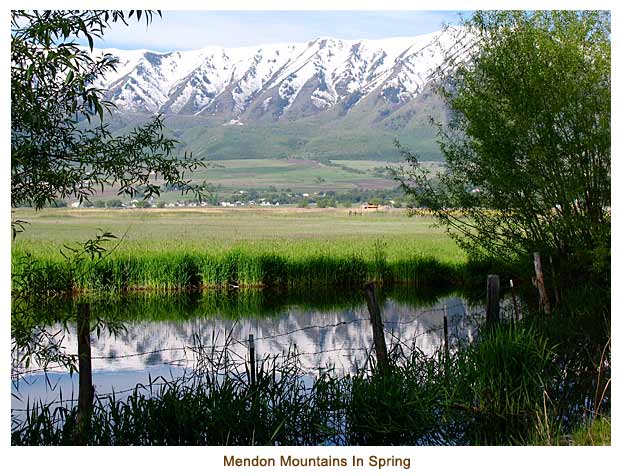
[460, 461]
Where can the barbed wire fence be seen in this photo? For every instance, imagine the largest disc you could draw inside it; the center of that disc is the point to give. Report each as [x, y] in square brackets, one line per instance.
[194, 356]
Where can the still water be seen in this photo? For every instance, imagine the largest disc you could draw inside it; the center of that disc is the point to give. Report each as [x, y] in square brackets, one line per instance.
[160, 332]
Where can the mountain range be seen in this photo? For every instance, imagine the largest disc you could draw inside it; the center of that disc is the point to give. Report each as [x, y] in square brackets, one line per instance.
[324, 98]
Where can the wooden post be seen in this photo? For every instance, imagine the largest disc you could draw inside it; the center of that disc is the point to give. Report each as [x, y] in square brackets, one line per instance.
[514, 301]
[492, 298]
[377, 325]
[252, 361]
[539, 282]
[86, 390]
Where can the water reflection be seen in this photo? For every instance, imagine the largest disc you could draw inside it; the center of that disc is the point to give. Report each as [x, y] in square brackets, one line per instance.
[156, 342]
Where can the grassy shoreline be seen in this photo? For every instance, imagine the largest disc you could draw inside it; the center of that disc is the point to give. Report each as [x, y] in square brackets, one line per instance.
[235, 268]
[196, 248]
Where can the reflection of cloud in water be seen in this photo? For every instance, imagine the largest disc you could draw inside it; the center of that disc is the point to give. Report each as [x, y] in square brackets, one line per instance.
[342, 338]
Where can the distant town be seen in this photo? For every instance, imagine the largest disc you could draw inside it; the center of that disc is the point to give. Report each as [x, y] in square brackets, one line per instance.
[358, 198]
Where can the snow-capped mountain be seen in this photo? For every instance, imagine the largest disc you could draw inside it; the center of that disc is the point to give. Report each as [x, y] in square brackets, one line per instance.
[276, 81]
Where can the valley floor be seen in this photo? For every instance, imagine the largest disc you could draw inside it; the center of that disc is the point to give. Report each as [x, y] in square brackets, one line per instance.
[283, 230]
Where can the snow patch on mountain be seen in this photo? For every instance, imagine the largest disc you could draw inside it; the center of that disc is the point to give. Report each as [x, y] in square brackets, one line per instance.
[217, 80]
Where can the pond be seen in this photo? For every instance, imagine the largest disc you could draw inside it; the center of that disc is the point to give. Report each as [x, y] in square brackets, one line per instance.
[160, 332]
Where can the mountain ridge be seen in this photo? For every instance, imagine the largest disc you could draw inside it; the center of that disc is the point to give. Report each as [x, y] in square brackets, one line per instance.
[326, 97]
[265, 81]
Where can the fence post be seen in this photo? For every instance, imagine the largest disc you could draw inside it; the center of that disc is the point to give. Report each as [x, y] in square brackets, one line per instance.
[539, 282]
[377, 324]
[492, 298]
[252, 361]
[86, 390]
[514, 301]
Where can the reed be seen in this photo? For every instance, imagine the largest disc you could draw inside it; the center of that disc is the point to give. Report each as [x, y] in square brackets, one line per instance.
[419, 399]
[597, 432]
[211, 248]
[239, 267]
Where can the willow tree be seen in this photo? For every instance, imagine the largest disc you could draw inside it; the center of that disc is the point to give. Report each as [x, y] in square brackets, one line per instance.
[528, 140]
[61, 147]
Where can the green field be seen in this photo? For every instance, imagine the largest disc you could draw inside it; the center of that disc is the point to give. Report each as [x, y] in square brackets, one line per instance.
[284, 230]
[165, 249]
[297, 175]
[370, 166]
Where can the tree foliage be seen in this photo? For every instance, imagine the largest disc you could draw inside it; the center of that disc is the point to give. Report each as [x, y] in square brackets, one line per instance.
[61, 147]
[60, 144]
[528, 143]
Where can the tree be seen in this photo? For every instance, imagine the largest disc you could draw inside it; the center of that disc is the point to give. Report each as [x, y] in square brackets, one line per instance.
[326, 202]
[60, 143]
[61, 147]
[528, 144]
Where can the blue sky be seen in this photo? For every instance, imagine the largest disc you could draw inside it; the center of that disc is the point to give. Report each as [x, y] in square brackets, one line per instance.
[183, 30]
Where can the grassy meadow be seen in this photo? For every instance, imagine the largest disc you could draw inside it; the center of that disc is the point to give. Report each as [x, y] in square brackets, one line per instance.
[300, 175]
[286, 247]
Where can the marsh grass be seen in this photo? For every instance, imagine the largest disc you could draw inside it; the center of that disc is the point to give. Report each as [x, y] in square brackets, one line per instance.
[503, 378]
[211, 248]
[419, 399]
[235, 268]
[595, 433]
[217, 406]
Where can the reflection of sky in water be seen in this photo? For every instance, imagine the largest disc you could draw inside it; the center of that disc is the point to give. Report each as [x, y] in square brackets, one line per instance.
[340, 339]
